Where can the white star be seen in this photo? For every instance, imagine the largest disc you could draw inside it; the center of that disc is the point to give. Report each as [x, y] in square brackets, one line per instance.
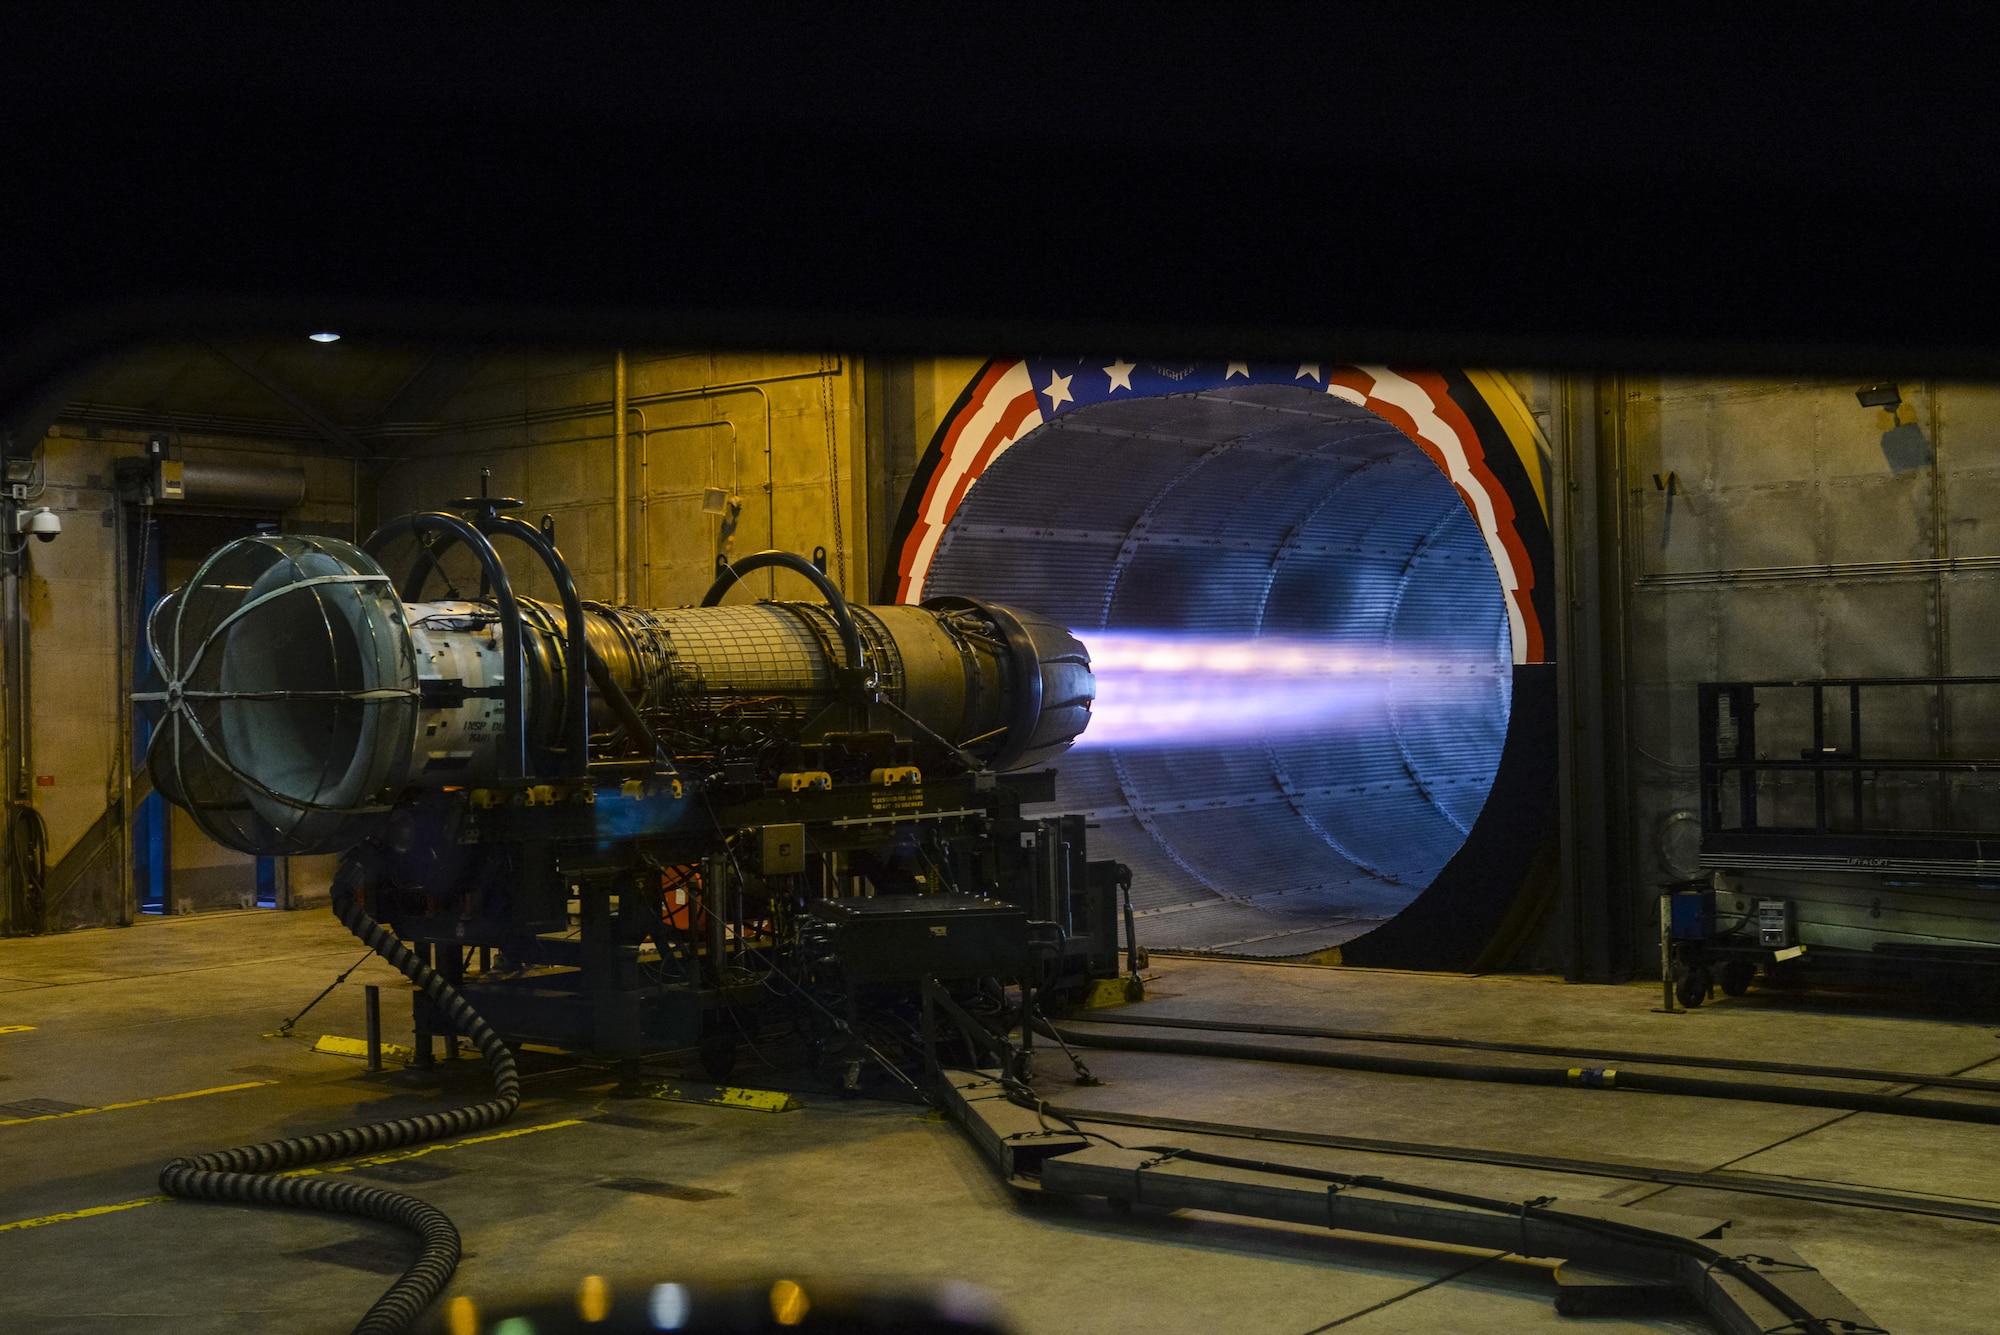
[1236, 369]
[1120, 372]
[1308, 369]
[1058, 390]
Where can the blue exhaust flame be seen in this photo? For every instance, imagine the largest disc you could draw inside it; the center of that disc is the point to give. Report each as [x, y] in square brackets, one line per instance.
[1161, 690]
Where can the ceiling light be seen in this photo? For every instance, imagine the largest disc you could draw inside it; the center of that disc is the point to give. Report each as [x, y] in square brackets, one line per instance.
[324, 336]
[1874, 396]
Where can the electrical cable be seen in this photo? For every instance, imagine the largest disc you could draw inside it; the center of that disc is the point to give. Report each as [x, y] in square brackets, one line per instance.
[251, 1174]
[285, 1029]
[840, 1025]
[772, 969]
[1585, 1077]
[1043, 1027]
[1545, 1050]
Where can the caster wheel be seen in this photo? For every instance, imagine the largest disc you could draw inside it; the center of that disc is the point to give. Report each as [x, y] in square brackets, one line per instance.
[1691, 988]
[1736, 976]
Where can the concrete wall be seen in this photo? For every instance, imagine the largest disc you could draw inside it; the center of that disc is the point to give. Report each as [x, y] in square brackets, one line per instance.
[778, 434]
[71, 597]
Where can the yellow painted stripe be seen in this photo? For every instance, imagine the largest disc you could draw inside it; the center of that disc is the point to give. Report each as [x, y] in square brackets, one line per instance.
[1523, 432]
[399, 1156]
[15, 1028]
[83, 1214]
[94, 1210]
[138, 1103]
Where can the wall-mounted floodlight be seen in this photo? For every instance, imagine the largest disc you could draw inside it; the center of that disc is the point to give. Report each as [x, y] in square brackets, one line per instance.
[1904, 445]
[324, 336]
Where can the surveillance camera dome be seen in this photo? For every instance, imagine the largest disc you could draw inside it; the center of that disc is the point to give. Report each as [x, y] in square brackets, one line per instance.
[44, 523]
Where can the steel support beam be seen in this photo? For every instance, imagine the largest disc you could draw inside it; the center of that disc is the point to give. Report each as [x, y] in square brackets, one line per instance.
[1609, 1255]
[1592, 707]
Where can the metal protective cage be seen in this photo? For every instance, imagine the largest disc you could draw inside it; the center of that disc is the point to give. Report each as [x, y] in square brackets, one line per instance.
[289, 695]
[1851, 773]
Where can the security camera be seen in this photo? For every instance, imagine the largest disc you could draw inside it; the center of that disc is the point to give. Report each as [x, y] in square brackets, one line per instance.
[41, 521]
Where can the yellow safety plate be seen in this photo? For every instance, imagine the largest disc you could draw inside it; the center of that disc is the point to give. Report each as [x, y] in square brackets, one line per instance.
[729, 1096]
[358, 1047]
[1108, 992]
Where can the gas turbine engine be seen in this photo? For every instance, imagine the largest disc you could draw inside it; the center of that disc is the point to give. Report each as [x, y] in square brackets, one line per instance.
[713, 795]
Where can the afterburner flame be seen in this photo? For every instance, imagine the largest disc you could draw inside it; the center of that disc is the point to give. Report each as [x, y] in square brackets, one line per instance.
[1158, 689]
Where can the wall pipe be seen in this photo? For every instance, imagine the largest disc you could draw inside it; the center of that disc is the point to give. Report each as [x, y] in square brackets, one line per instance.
[122, 595]
[578, 412]
[770, 476]
[15, 918]
[620, 486]
[646, 487]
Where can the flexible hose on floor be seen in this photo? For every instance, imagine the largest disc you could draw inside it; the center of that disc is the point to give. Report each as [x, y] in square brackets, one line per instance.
[249, 1175]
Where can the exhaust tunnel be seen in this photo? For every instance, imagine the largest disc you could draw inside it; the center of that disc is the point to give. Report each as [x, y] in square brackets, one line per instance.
[1311, 600]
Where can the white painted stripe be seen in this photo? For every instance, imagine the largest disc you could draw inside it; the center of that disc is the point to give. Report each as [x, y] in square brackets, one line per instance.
[979, 431]
[1393, 389]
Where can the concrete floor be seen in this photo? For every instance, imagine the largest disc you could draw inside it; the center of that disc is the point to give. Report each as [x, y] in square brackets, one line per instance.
[864, 1188]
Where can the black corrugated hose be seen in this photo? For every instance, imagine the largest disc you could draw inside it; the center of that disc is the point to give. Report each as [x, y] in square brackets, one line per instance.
[250, 1175]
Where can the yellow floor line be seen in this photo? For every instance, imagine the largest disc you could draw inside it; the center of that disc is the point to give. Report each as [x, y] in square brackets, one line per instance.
[83, 1214]
[397, 1156]
[392, 1157]
[137, 1103]
[15, 1028]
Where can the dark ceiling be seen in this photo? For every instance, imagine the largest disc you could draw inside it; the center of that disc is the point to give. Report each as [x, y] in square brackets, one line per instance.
[1701, 188]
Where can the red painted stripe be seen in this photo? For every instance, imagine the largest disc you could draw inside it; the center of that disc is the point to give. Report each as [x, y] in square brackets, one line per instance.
[914, 542]
[1504, 514]
[1010, 422]
[1348, 377]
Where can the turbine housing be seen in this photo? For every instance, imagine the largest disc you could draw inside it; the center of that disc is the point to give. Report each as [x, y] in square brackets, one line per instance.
[303, 697]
